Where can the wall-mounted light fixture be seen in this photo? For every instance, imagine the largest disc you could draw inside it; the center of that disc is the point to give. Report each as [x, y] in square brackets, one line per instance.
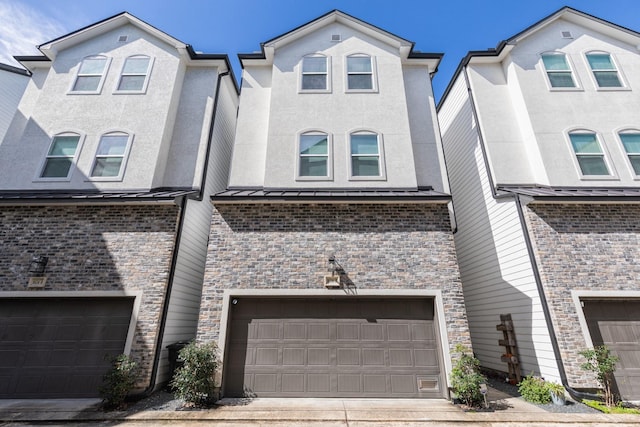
[332, 280]
[38, 264]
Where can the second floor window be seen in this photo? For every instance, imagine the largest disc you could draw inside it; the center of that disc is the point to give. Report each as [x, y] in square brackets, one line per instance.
[366, 157]
[314, 155]
[61, 156]
[631, 143]
[314, 73]
[111, 155]
[589, 154]
[558, 70]
[135, 74]
[604, 70]
[359, 72]
[91, 74]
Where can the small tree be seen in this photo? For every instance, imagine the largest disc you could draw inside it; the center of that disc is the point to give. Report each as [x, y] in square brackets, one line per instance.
[118, 381]
[194, 381]
[466, 378]
[601, 362]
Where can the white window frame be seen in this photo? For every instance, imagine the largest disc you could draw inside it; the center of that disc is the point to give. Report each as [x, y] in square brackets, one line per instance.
[103, 76]
[147, 75]
[570, 70]
[374, 79]
[604, 154]
[626, 153]
[327, 73]
[381, 160]
[623, 82]
[124, 156]
[329, 155]
[74, 158]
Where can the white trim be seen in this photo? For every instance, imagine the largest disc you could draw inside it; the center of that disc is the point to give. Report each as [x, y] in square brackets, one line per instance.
[102, 78]
[623, 81]
[74, 159]
[329, 176]
[147, 75]
[328, 74]
[374, 74]
[381, 157]
[627, 130]
[572, 71]
[606, 156]
[125, 157]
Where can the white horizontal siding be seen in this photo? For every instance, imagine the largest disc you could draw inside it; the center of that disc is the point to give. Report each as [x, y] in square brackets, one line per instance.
[12, 87]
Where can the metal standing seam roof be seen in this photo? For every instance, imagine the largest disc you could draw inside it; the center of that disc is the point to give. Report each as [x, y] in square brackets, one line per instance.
[317, 195]
[34, 196]
[574, 193]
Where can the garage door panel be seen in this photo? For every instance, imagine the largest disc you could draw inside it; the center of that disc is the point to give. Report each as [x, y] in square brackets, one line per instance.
[319, 331]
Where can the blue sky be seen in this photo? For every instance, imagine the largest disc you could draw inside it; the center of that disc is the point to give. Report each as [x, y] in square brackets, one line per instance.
[452, 27]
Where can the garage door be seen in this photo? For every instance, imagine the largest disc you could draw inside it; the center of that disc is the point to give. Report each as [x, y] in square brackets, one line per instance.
[56, 347]
[332, 348]
[616, 324]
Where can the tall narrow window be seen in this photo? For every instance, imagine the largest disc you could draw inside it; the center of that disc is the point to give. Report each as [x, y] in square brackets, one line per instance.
[314, 73]
[111, 155]
[314, 155]
[631, 142]
[558, 70]
[589, 153]
[365, 155]
[359, 72]
[135, 74]
[61, 156]
[91, 74]
[604, 70]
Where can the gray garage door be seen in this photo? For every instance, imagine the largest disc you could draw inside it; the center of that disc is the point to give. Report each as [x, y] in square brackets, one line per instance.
[350, 347]
[617, 325]
[56, 347]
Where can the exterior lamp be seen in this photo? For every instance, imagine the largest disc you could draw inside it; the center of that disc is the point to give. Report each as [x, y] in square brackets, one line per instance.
[332, 280]
[38, 264]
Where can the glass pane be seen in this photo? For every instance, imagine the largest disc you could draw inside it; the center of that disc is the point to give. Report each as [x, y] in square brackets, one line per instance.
[359, 64]
[555, 62]
[56, 168]
[631, 142]
[84, 83]
[585, 143]
[593, 165]
[131, 82]
[314, 144]
[635, 162]
[113, 145]
[107, 166]
[600, 61]
[64, 145]
[365, 166]
[607, 78]
[314, 81]
[360, 81]
[93, 66]
[314, 64]
[313, 166]
[561, 79]
[364, 144]
[136, 66]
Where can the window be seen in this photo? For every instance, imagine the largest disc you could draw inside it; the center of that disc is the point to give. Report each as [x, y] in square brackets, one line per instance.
[589, 153]
[61, 156]
[111, 155]
[314, 73]
[359, 72]
[631, 143]
[315, 161]
[135, 74]
[604, 70]
[91, 75]
[558, 70]
[366, 157]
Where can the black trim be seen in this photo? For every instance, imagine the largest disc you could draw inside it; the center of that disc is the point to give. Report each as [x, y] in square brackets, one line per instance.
[92, 196]
[16, 70]
[35, 58]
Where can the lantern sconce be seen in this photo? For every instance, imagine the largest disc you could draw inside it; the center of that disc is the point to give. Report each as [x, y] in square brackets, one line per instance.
[38, 264]
[332, 280]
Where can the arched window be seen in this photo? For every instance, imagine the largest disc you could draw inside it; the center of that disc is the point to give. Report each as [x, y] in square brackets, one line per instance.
[61, 156]
[360, 72]
[604, 69]
[315, 75]
[91, 74]
[366, 155]
[589, 154]
[314, 151]
[558, 70]
[111, 155]
[631, 142]
[135, 74]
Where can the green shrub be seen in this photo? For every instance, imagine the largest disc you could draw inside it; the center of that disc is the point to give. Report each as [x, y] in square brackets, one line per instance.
[466, 378]
[534, 390]
[194, 380]
[601, 362]
[118, 381]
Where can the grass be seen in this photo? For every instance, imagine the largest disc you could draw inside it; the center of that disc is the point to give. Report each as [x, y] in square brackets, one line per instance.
[600, 406]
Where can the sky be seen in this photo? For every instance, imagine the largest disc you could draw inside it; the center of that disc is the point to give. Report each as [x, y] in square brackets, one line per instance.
[452, 27]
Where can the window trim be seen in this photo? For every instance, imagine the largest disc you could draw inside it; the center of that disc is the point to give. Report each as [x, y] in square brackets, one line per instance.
[328, 77]
[374, 74]
[381, 156]
[574, 76]
[103, 77]
[605, 156]
[329, 176]
[125, 156]
[74, 158]
[628, 130]
[623, 82]
[147, 75]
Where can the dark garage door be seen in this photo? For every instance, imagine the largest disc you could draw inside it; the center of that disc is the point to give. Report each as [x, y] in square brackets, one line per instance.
[56, 347]
[351, 347]
[617, 325]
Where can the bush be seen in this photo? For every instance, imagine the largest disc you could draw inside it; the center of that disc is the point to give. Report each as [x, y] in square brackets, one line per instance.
[466, 378]
[118, 381]
[534, 390]
[603, 364]
[193, 382]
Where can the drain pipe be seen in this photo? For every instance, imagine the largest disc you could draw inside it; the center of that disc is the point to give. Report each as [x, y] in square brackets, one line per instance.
[575, 394]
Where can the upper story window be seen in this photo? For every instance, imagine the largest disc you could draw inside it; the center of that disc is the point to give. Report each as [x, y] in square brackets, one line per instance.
[604, 70]
[135, 74]
[91, 74]
[366, 155]
[111, 155]
[631, 142]
[314, 150]
[61, 156]
[315, 74]
[589, 154]
[558, 70]
[360, 73]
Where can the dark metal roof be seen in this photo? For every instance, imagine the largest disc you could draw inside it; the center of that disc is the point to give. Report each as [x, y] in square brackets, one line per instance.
[575, 193]
[89, 196]
[259, 195]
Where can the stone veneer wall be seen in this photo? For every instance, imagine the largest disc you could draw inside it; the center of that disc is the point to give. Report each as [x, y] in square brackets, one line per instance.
[286, 246]
[94, 248]
[592, 247]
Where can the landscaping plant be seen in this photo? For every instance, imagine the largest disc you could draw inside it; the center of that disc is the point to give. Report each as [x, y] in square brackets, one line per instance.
[118, 381]
[193, 382]
[534, 390]
[466, 378]
[601, 362]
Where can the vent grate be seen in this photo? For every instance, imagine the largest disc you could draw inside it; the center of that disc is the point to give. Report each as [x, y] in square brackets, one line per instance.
[336, 37]
[567, 35]
[122, 38]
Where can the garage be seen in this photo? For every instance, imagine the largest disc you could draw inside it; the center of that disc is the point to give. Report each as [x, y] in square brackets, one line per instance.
[341, 347]
[56, 347]
[616, 324]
